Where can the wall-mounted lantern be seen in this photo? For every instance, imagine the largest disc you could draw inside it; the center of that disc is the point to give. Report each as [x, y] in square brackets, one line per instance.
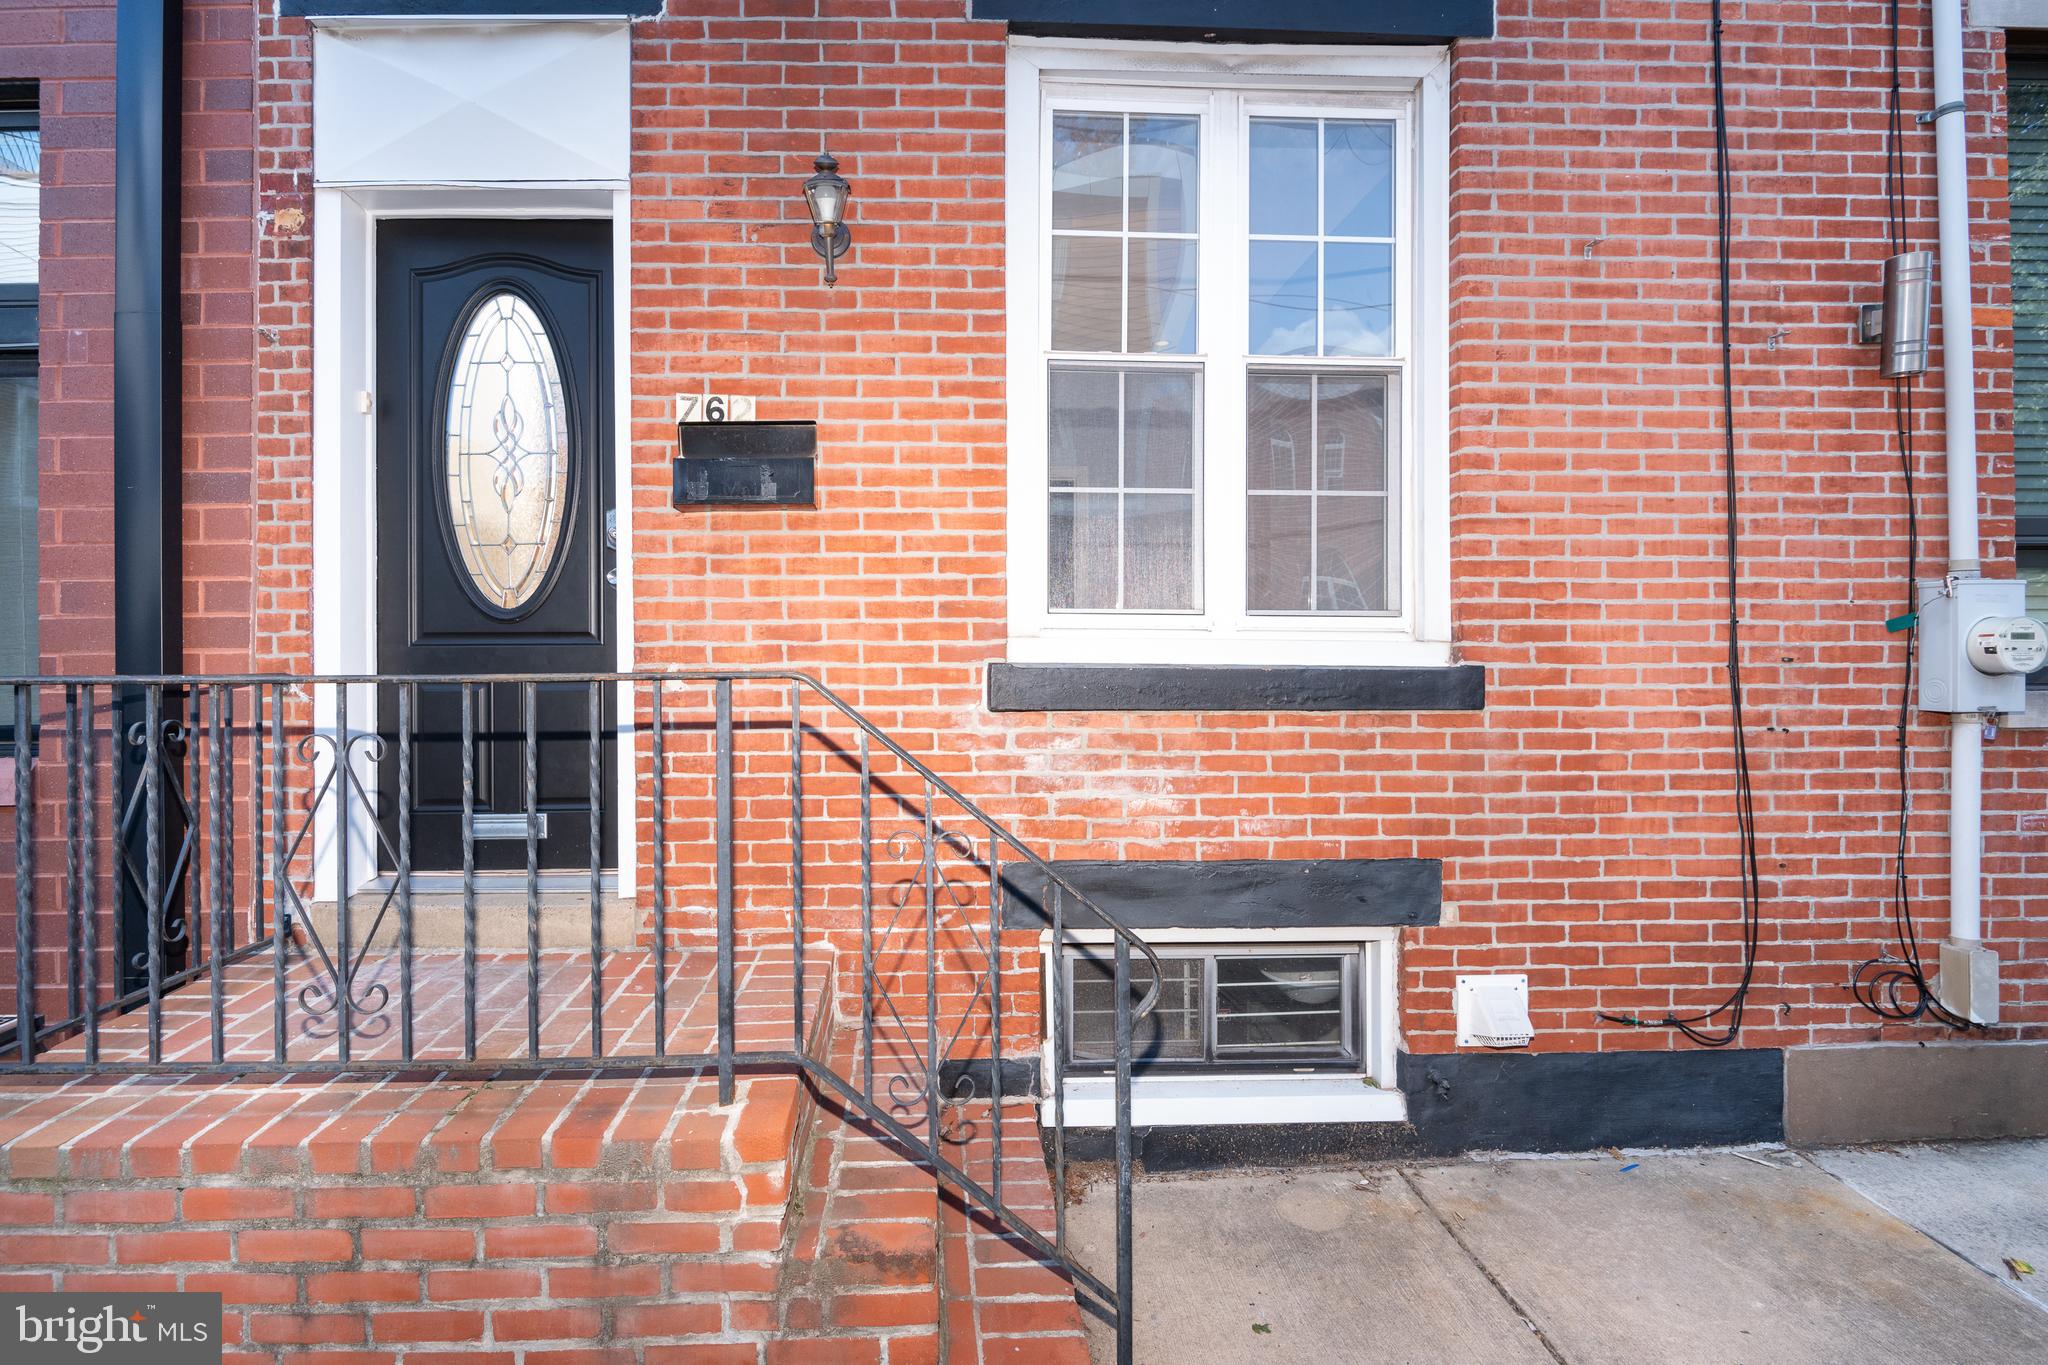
[826, 194]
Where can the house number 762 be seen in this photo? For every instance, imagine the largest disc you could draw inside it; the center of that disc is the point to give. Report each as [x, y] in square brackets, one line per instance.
[713, 407]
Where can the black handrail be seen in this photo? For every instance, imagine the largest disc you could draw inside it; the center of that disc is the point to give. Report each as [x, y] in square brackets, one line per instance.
[192, 802]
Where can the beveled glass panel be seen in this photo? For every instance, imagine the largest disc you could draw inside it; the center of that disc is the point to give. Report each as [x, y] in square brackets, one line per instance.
[507, 454]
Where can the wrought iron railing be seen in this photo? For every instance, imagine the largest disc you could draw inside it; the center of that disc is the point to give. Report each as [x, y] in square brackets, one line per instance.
[256, 900]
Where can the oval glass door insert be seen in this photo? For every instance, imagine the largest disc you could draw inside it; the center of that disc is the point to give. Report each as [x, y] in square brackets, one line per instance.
[507, 473]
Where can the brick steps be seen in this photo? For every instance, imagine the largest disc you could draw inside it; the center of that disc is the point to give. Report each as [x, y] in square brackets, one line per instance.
[592, 1220]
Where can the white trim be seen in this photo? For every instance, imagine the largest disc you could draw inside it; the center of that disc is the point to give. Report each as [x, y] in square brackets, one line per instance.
[2009, 13]
[1223, 85]
[1209, 1101]
[396, 18]
[1368, 1095]
[344, 626]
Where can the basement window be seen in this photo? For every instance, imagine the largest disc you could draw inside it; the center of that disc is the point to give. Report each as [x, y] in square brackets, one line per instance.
[1246, 1009]
[1280, 1027]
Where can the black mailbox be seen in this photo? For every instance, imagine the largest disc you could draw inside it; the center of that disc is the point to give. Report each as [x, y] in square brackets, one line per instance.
[742, 463]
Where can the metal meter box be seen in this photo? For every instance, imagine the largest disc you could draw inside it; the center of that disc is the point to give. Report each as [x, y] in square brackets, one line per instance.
[1949, 616]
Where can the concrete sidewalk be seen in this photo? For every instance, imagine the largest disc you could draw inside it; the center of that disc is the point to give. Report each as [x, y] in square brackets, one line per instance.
[1695, 1259]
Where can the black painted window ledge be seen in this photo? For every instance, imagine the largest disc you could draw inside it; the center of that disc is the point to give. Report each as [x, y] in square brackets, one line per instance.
[1233, 687]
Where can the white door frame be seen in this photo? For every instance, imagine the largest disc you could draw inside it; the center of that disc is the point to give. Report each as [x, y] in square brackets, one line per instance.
[345, 220]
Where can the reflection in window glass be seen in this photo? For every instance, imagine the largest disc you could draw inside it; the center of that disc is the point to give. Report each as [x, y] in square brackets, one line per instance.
[1124, 206]
[1173, 1031]
[1123, 467]
[1227, 1007]
[18, 644]
[1317, 532]
[1322, 225]
[21, 158]
[1293, 1005]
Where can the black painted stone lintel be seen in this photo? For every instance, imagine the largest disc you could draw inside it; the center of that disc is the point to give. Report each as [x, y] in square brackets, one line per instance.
[1233, 687]
[1312, 893]
[1248, 20]
[1576, 1101]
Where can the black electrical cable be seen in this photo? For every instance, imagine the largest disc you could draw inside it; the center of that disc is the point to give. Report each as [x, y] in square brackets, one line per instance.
[1719, 1026]
[1896, 988]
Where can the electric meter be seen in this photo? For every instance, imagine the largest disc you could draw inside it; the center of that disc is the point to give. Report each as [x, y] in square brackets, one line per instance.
[2008, 644]
[1984, 621]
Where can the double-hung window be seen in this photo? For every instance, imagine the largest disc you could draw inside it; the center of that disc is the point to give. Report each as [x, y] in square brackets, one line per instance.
[1227, 358]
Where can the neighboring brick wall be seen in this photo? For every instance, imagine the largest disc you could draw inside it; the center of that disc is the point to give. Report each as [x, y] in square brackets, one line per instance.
[1585, 818]
[68, 49]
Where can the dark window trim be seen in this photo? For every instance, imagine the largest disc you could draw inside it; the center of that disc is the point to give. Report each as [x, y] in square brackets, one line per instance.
[467, 9]
[1233, 687]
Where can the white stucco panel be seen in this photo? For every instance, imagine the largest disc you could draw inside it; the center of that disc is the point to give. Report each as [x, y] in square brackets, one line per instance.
[471, 102]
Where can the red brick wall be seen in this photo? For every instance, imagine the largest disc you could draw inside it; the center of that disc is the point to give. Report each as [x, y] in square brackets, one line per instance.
[1585, 818]
[69, 50]
[219, 274]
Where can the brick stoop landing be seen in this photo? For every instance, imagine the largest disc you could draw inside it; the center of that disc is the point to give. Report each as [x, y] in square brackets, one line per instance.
[561, 1220]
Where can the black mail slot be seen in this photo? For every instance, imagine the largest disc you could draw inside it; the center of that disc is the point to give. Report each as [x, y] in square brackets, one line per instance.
[748, 439]
[760, 463]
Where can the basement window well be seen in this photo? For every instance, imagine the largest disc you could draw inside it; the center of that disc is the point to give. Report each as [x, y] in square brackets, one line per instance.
[1251, 1030]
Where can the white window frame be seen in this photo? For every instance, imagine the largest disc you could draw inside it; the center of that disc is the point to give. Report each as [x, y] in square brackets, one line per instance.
[1227, 86]
[1368, 1093]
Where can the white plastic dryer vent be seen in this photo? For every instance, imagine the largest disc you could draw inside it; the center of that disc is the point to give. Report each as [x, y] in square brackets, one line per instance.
[1493, 1011]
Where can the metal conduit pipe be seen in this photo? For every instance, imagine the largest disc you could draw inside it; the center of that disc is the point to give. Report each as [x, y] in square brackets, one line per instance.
[1963, 955]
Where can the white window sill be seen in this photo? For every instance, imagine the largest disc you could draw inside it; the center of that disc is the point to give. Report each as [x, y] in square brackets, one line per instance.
[1201, 1101]
[1170, 648]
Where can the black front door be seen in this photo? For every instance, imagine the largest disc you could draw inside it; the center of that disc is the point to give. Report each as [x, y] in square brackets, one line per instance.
[494, 479]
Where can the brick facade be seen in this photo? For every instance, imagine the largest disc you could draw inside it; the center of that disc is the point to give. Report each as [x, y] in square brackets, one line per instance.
[1583, 817]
